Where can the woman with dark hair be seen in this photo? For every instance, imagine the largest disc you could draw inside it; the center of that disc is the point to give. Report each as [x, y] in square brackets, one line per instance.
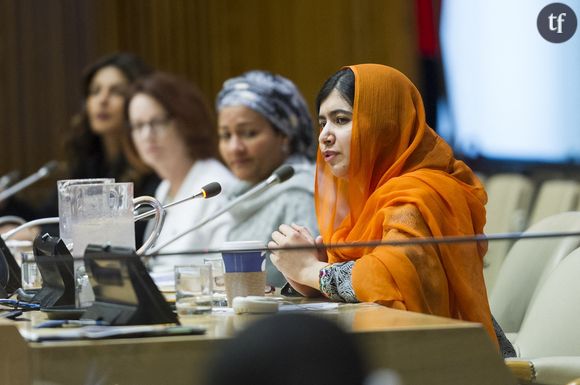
[384, 174]
[173, 132]
[263, 123]
[95, 145]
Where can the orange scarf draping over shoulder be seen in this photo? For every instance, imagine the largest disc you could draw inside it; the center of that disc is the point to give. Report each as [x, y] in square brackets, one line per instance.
[403, 182]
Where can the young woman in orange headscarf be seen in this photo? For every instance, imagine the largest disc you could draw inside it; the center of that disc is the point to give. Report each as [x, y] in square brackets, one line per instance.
[384, 174]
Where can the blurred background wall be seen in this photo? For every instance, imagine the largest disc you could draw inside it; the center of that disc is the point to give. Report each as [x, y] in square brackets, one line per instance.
[44, 45]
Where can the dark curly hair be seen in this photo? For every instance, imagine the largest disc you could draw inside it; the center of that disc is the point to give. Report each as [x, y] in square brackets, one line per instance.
[84, 149]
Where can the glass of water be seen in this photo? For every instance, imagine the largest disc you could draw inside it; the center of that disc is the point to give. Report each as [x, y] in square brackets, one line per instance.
[31, 278]
[193, 289]
[219, 286]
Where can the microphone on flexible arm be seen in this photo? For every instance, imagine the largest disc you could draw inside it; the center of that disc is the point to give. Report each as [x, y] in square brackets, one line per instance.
[281, 174]
[42, 172]
[8, 179]
[208, 191]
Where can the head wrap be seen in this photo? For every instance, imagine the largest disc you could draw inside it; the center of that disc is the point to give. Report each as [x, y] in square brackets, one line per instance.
[277, 99]
[404, 182]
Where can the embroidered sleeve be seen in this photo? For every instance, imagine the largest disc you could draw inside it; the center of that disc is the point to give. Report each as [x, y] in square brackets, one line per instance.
[505, 345]
[336, 282]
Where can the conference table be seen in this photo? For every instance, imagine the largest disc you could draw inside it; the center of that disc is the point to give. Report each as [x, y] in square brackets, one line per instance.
[423, 349]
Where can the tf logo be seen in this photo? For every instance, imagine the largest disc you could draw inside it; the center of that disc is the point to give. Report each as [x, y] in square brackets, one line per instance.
[557, 22]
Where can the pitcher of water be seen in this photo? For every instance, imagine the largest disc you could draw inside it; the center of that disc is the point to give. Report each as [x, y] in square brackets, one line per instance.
[65, 199]
[101, 212]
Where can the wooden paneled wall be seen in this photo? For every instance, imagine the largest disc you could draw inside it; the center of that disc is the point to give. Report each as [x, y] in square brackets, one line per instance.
[43, 47]
[45, 44]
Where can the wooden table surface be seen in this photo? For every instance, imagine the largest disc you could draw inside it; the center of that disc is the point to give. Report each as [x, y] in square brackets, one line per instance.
[423, 349]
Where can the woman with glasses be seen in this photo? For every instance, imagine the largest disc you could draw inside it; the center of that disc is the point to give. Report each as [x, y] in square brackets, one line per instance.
[173, 132]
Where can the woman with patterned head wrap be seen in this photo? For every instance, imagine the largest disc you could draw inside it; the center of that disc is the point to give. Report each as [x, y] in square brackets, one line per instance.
[383, 174]
[263, 123]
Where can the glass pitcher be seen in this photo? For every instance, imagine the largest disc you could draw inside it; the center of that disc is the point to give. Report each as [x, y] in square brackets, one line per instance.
[65, 205]
[100, 212]
[103, 213]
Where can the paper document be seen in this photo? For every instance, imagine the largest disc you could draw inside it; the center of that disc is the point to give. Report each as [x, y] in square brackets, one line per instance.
[100, 332]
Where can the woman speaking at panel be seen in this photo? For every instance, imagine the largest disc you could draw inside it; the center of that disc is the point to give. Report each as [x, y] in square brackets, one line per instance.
[384, 174]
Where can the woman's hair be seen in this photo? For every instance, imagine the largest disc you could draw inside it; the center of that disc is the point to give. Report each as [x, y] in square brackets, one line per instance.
[343, 82]
[130, 65]
[83, 148]
[186, 105]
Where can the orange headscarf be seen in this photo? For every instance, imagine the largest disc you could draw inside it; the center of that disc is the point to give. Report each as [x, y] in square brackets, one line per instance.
[403, 182]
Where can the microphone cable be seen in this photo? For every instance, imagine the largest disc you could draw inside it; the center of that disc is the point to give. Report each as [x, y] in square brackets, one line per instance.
[377, 243]
[398, 242]
[42, 172]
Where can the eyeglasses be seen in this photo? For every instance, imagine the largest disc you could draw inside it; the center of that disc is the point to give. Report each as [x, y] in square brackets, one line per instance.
[156, 125]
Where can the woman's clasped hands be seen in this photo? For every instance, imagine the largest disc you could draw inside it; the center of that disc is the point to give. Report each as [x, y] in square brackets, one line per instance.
[301, 267]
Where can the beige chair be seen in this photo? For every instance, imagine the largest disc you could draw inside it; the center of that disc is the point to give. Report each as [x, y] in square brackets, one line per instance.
[546, 370]
[555, 196]
[509, 199]
[527, 265]
[549, 339]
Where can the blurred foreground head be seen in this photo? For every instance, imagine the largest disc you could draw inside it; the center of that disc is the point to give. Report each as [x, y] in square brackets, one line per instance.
[289, 349]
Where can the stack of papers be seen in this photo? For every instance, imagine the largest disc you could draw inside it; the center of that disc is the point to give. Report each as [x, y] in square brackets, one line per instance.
[101, 332]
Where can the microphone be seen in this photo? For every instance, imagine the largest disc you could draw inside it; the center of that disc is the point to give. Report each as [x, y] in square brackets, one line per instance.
[8, 179]
[38, 175]
[281, 174]
[210, 190]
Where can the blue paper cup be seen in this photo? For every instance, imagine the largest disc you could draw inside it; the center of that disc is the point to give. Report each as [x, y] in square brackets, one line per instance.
[244, 265]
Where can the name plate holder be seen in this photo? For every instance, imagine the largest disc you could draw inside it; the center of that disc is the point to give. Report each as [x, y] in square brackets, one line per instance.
[56, 266]
[10, 272]
[125, 293]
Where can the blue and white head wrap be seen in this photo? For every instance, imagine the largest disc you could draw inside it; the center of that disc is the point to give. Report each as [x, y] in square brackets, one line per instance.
[277, 99]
